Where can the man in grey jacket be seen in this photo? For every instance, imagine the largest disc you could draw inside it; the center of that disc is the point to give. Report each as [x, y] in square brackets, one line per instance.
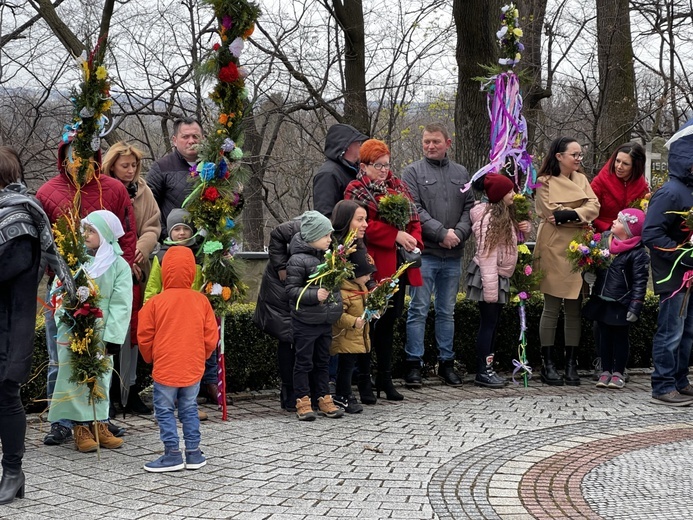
[435, 183]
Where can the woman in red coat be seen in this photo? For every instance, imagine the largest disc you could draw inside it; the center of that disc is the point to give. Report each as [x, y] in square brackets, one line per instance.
[619, 183]
[373, 182]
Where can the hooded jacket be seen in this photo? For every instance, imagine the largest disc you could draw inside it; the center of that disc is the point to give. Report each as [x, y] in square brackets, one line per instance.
[302, 263]
[168, 179]
[272, 312]
[102, 192]
[336, 173]
[177, 329]
[346, 338]
[614, 195]
[664, 229]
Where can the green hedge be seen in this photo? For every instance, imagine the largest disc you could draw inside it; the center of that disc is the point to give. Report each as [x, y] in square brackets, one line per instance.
[251, 361]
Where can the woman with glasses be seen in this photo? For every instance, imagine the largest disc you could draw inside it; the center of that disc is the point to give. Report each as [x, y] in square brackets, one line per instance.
[373, 182]
[565, 203]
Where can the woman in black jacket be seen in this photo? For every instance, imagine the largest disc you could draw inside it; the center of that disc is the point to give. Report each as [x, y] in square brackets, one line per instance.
[272, 312]
[25, 234]
[618, 294]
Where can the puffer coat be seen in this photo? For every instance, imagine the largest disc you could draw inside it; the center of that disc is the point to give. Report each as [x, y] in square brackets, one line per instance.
[346, 338]
[272, 312]
[303, 262]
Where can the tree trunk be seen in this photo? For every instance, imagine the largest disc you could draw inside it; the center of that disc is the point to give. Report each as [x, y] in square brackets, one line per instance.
[616, 109]
[476, 46]
[532, 13]
[253, 208]
[349, 15]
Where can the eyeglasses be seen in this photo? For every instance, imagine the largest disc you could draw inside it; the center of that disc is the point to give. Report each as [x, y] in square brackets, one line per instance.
[379, 166]
[578, 156]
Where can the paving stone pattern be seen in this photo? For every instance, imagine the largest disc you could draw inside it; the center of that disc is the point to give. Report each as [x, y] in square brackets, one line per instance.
[442, 453]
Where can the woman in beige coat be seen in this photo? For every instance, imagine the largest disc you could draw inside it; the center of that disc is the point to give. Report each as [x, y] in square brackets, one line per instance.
[565, 203]
[124, 162]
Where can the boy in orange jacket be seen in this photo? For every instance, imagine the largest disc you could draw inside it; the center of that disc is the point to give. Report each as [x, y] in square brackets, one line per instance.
[177, 331]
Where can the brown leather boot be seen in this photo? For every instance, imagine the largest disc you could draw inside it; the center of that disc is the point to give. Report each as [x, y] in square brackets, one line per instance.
[84, 439]
[328, 408]
[106, 438]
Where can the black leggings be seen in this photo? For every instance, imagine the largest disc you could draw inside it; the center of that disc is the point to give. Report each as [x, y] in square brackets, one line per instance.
[12, 425]
[613, 346]
[345, 369]
[486, 337]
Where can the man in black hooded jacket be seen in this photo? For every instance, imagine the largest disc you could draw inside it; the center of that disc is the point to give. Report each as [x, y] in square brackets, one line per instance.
[342, 146]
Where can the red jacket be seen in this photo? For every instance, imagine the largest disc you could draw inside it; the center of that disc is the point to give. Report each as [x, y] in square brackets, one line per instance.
[614, 195]
[103, 192]
[380, 238]
[177, 329]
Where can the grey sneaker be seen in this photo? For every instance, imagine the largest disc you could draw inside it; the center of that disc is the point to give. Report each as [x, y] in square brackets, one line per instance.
[604, 379]
[673, 398]
[617, 381]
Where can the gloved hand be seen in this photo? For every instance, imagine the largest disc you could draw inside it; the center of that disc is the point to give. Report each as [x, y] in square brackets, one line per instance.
[631, 318]
[566, 215]
[590, 278]
[112, 348]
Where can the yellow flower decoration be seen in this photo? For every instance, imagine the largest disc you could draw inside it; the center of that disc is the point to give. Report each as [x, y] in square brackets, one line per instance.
[573, 246]
[517, 32]
[101, 72]
[523, 249]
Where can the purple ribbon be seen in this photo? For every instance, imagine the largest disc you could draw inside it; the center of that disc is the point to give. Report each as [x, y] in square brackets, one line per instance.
[519, 365]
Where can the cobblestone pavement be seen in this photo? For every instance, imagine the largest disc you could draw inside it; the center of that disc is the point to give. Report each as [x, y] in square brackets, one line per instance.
[538, 452]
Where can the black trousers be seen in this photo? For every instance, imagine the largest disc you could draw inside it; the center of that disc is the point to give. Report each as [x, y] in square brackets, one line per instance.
[486, 337]
[382, 331]
[613, 346]
[347, 362]
[312, 347]
[12, 425]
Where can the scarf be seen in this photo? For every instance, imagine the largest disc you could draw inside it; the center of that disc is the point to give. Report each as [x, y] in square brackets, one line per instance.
[617, 246]
[22, 215]
[110, 230]
[370, 192]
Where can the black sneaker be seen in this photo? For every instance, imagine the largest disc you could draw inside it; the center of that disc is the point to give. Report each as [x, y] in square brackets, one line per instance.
[116, 431]
[57, 435]
[348, 403]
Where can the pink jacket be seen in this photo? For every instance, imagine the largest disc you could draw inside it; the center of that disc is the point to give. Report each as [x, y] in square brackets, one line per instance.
[492, 264]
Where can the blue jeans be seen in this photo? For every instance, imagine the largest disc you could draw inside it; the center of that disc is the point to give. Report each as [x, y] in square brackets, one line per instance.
[211, 374]
[51, 346]
[441, 278]
[166, 398]
[671, 345]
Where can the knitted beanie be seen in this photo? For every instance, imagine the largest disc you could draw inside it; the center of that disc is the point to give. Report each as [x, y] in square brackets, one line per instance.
[314, 225]
[497, 186]
[632, 220]
[363, 262]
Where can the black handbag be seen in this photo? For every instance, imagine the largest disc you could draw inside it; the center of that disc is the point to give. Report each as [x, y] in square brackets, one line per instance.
[406, 257]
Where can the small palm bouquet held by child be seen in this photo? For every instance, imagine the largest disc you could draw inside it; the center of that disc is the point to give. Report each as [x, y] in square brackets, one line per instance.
[335, 269]
[587, 254]
[379, 297]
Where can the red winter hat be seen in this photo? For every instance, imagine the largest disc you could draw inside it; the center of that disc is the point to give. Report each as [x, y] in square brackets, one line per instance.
[497, 186]
[632, 220]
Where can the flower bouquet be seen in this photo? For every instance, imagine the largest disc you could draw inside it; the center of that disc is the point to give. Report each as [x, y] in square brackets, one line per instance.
[642, 203]
[335, 269]
[521, 211]
[379, 297]
[524, 280]
[394, 209]
[586, 253]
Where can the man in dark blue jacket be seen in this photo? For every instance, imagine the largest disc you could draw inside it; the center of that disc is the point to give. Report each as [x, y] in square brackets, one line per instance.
[663, 231]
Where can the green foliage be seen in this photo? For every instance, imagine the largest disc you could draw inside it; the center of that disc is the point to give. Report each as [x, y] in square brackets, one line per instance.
[394, 209]
[251, 355]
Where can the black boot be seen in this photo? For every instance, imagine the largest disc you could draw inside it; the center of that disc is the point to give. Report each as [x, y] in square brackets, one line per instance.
[446, 371]
[549, 375]
[384, 383]
[486, 375]
[288, 399]
[413, 377]
[135, 404]
[11, 485]
[366, 389]
[571, 375]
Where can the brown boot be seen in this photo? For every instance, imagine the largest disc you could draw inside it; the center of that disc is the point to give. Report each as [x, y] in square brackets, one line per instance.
[304, 409]
[84, 440]
[328, 408]
[202, 416]
[106, 438]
